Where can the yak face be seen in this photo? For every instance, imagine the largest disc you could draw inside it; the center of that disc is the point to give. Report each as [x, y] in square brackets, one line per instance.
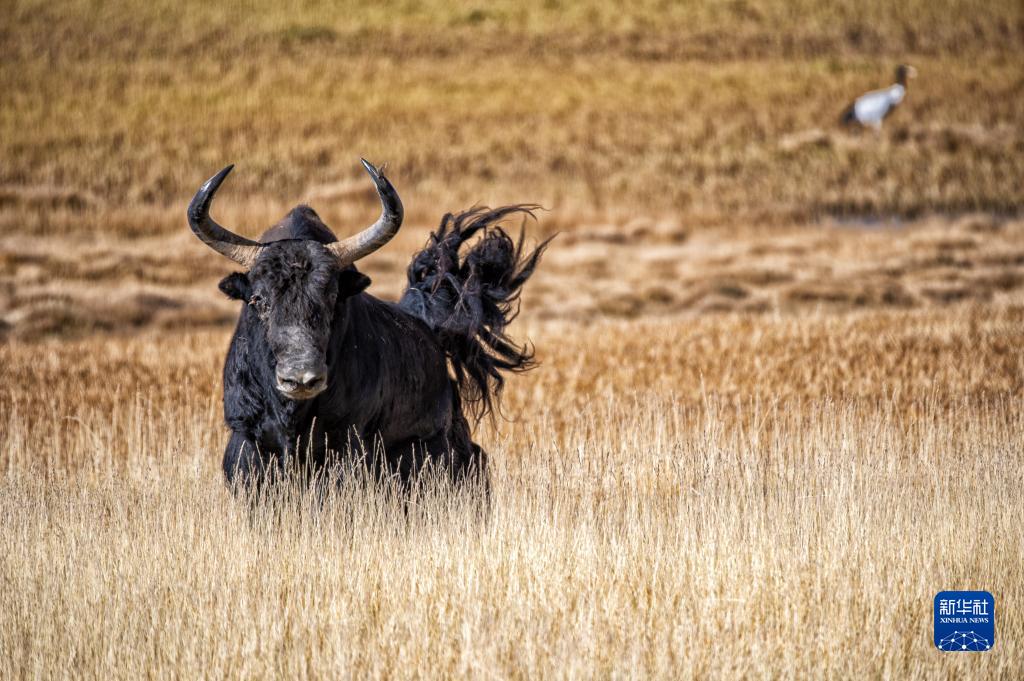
[292, 291]
[297, 274]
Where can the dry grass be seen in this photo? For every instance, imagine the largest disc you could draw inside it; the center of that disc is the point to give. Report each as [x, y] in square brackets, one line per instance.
[733, 496]
[702, 113]
[655, 126]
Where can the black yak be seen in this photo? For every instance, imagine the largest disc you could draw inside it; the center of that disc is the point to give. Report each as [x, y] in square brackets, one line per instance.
[319, 370]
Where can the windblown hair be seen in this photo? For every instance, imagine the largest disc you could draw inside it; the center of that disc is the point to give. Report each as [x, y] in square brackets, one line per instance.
[469, 299]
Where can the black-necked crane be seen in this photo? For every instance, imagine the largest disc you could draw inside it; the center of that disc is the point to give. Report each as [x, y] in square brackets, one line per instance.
[870, 109]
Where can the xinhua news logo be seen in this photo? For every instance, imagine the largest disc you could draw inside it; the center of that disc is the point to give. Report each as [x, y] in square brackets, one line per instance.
[965, 621]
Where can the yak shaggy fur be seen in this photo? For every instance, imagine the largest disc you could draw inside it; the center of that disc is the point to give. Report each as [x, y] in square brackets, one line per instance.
[397, 374]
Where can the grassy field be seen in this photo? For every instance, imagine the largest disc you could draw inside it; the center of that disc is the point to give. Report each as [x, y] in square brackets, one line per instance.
[779, 404]
[113, 114]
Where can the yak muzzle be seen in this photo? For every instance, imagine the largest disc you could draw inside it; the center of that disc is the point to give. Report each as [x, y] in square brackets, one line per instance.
[301, 382]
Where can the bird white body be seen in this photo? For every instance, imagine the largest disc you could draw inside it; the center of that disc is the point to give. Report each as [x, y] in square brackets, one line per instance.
[871, 108]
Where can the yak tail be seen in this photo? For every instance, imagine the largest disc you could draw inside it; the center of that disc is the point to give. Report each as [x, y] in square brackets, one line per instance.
[469, 298]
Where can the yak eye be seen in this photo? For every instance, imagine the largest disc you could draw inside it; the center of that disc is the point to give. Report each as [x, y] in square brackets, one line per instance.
[259, 302]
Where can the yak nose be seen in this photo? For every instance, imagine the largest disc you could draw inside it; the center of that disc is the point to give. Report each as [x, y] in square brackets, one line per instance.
[301, 380]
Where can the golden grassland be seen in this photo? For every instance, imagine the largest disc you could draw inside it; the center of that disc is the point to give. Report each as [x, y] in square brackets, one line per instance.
[779, 404]
[707, 112]
[731, 496]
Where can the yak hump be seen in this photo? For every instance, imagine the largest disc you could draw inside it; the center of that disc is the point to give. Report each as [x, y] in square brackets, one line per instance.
[302, 222]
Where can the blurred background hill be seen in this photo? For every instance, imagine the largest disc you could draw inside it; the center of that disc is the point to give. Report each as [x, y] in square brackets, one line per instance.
[647, 124]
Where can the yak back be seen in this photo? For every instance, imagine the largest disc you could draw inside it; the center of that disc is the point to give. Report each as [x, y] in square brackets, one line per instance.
[391, 374]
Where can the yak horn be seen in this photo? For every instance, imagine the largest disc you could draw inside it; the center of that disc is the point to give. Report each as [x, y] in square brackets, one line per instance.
[379, 233]
[227, 243]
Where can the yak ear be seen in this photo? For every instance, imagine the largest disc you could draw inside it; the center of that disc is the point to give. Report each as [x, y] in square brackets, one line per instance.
[351, 282]
[236, 286]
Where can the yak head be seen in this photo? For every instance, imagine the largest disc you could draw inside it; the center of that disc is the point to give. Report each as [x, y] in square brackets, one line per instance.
[296, 274]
